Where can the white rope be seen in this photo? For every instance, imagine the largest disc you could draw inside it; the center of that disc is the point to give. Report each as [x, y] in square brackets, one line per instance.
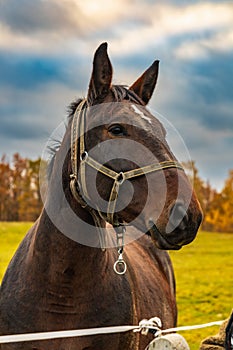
[96, 331]
[64, 334]
[189, 328]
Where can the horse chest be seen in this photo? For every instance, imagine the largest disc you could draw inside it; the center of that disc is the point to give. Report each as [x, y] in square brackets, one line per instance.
[87, 299]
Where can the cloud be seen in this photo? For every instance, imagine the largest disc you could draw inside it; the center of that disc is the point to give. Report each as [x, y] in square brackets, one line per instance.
[165, 22]
[27, 72]
[54, 26]
[32, 115]
[50, 26]
[40, 16]
[212, 87]
[221, 42]
[197, 89]
[46, 52]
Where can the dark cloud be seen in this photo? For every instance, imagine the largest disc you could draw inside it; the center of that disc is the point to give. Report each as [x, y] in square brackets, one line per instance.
[200, 90]
[19, 130]
[217, 118]
[214, 81]
[211, 90]
[27, 72]
[38, 15]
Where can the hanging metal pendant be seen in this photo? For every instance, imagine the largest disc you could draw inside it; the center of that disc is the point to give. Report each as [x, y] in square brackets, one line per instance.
[120, 266]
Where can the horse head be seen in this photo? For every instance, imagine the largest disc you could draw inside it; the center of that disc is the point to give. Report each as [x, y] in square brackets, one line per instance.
[121, 167]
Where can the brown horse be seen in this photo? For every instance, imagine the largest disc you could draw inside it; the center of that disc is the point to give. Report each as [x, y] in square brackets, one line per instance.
[59, 277]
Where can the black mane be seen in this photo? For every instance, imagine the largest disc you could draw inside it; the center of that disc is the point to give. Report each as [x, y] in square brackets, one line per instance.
[120, 93]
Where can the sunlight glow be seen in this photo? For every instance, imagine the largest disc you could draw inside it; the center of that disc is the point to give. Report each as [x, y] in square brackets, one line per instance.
[100, 8]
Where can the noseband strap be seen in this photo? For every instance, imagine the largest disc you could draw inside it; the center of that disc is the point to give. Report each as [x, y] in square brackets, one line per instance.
[76, 184]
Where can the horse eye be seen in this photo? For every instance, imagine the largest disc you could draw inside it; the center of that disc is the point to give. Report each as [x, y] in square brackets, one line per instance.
[117, 130]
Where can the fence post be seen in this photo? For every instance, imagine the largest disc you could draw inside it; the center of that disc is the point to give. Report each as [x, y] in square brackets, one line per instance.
[171, 341]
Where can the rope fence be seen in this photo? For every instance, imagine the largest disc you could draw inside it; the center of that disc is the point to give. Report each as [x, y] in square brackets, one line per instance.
[145, 326]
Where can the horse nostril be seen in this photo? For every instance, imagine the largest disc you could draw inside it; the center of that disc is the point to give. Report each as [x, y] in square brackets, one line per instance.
[178, 216]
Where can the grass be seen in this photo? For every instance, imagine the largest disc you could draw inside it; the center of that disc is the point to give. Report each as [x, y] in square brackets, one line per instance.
[10, 236]
[204, 283]
[203, 272]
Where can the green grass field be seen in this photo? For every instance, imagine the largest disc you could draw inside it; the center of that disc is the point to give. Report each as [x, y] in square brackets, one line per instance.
[204, 277]
[10, 236]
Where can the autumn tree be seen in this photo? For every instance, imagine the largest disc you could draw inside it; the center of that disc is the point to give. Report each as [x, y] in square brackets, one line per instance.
[18, 183]
[29, 200]
[219, 216]
[205, 193]
[19, 189]
[5, 190]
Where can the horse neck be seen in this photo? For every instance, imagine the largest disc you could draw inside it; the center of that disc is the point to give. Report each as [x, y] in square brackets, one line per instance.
[65, 231]
[58, 255]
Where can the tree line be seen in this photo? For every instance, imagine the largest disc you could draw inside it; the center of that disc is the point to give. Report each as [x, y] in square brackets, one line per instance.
[217, 206]
[20, 198]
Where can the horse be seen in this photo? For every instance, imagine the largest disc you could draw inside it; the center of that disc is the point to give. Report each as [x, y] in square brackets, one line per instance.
[68, 272]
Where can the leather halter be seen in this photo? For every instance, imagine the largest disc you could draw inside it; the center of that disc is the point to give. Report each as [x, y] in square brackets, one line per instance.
[78, 183]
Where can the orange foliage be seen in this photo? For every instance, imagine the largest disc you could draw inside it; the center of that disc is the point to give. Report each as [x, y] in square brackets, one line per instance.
[20, 194]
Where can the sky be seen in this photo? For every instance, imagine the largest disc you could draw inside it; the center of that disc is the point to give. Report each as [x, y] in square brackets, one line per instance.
[46, 53]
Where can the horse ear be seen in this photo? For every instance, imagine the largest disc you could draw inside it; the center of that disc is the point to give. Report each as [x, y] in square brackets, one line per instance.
[145, 85]
[101, 74]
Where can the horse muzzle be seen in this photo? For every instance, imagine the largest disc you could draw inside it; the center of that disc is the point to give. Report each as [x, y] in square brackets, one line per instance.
[181, 228]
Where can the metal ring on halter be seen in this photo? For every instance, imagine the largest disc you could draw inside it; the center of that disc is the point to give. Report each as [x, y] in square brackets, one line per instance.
[120, 266]
[83, 156]
[120, 178]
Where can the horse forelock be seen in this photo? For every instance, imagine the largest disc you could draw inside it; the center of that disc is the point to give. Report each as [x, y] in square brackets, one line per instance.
[119, 93]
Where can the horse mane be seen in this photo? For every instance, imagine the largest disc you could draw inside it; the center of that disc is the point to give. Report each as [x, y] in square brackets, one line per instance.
[119, 92]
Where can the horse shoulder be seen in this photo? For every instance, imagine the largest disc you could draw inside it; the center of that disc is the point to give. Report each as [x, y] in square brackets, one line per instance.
[14, 284]
[153, 283]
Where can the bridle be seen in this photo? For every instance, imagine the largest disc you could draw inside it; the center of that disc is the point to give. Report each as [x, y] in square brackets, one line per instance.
[78, 184]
